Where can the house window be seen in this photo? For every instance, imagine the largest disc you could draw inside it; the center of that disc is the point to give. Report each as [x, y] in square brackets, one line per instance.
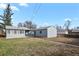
[21, 31]
[15, 31]
[40, 32]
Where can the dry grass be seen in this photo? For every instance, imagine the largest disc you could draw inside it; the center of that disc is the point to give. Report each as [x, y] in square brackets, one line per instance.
[74, 41]
[35, 46]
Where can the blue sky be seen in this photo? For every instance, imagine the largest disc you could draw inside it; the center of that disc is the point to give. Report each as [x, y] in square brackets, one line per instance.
[45, 13]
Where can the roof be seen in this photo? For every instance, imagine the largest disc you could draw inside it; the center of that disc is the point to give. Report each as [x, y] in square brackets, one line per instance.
[41, 28]
[24, 28]
[19, 28]
[75, 30]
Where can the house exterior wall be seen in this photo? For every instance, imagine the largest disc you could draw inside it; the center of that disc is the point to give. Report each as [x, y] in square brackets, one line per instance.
[41, 33]
[48, 32]
[51, 32]
[15, 33]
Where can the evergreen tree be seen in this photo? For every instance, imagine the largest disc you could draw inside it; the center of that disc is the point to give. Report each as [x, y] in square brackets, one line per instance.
[6, 17]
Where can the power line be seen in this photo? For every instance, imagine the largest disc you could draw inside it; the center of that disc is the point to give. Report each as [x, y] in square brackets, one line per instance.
[35, 11]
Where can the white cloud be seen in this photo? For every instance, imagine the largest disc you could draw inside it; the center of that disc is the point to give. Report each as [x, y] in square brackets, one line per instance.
[3, 6]
[68, 19]
[23, 4]
[14, 8]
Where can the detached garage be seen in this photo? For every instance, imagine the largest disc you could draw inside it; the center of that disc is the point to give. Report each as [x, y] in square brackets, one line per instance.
[48, 32]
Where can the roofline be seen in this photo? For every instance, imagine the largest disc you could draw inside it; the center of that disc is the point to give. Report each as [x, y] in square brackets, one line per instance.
[16, 28]
[44, 28]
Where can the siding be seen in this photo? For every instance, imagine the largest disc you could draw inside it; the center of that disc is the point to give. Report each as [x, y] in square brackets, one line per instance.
[11, 33]
[48, 32]
[51, 32]
[42, 34]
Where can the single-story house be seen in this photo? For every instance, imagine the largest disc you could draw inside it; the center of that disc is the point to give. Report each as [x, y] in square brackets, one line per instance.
[74, 32]
[48, 32]
[21, 32]
[15, 32]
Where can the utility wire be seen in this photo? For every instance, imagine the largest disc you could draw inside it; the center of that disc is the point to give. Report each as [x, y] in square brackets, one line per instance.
[35, 11]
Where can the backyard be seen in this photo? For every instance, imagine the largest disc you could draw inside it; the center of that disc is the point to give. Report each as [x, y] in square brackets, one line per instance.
[39, 47]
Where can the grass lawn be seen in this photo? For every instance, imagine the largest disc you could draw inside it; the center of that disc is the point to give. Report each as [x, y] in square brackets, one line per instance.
[35, 46]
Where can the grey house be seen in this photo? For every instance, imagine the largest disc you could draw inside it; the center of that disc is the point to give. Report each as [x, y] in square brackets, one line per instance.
[21, 32]
[48, 32]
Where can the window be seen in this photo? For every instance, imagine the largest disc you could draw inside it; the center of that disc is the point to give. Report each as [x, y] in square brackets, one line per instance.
[21, 31]
[15, 31]
[40, 32]
[8, 31]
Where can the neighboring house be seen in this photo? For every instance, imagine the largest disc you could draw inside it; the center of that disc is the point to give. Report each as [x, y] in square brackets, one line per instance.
[74, 32]
[15, 32]
[48, 32]
[21, 32]
[61, 31]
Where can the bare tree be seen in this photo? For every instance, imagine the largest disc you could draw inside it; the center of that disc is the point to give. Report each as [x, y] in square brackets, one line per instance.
[19, 24]
[67, 24]
[34, 26]
[28, 24]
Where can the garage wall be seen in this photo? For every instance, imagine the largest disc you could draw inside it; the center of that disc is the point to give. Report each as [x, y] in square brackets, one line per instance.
[51, 32]
[41, 33]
